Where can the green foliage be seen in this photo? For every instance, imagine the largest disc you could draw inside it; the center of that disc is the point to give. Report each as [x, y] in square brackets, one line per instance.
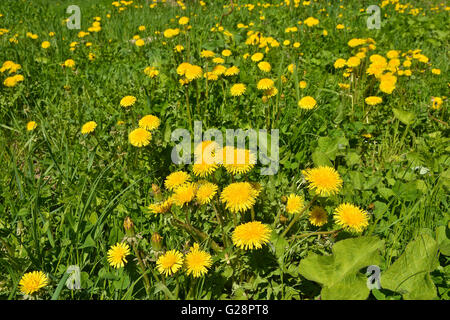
[410, 274]
[339, 273]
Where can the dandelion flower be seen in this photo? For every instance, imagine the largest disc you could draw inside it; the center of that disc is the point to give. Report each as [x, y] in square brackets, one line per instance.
[302, 84]
[117, 255]
[251, 235]
[127, 101]
[219, 70]
[239, 196]
[205, 192]
[88, 127]
[311, 22]
[183, 21]
[351, 217]
[170, 262]
[176, 179]
[31, 125]
[238, 161]
[139, 137]
[231, 71]
[193, 72]
[184, 194]
[226, 53]
[151, 72]
[45, 44]
[373, 100]
[237, 89]
[353, 62]
[265, 84]
[318, 216]
[323, 180]
[264, 66]
[31, 282]
[69, 63]
[161, 207]
[207, 54]
[197, 261]
[149, 122]
[294, 204]
[340, 63]
[307, 103]
[257, 57]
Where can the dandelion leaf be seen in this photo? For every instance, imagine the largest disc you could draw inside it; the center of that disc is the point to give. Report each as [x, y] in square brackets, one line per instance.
[339, 274]
[409, 275]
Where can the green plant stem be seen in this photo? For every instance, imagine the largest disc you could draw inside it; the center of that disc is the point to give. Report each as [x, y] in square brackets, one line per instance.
[141, 265]
[197, 233]
[307, 234]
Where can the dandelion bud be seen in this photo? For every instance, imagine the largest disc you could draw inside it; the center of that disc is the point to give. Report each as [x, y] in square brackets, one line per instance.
[156, 241]
[283, 199]
[129, 226]
[283, 219]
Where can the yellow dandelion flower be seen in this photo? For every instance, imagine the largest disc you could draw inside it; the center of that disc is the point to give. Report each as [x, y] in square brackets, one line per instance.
[176, 179]
[31, 125]
[251, 235]
[70, 63]
[307, 103]
[238, 89]
[237, 160]
[373, 100]
[239, 196]
[302, 84]
[226, 53]
[219, 69]
[45, 44]
[231, 71]
[318, 216]
[294, 204]
[340, 63]
[88, 127]
[353, 62]
[183, 21]
[218, 60]
[127, 101]
[207, 54]
[149, 122]
[264, 66]
[117, 255]
[184, 194]
[205, 192]
[170, 262]
[323, 180]
[257, 57]
[139, 137]
[351, 218]
[31, 282]
[197, 261]
[265, 84]
[193, 72]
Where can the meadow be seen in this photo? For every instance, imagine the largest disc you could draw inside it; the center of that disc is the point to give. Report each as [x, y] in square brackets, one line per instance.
[93, 205]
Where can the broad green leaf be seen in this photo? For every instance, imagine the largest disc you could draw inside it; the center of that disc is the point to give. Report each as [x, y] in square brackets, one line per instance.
[339, 273]
[410, 274]
[443, 240]
[405, 117]
[321, 159]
